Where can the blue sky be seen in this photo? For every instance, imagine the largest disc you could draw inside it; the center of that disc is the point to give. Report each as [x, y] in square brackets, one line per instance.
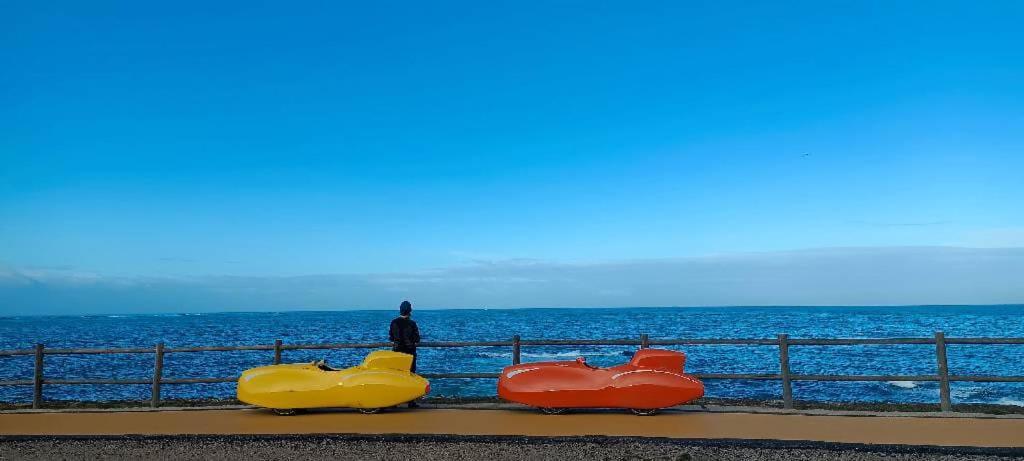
[144, 142]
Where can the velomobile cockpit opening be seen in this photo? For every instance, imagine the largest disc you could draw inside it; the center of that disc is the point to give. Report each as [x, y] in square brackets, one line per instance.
[583, 361]
[322, 364]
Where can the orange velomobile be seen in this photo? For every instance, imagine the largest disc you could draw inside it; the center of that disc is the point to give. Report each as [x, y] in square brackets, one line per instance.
[653, 379]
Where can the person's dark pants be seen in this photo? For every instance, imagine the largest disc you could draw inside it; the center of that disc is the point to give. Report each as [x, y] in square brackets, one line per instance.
[411, 352]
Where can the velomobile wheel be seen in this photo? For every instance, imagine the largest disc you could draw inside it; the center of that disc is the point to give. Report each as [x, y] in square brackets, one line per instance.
[369, 411]
[644, 411]
[285, 411]
[552, 411]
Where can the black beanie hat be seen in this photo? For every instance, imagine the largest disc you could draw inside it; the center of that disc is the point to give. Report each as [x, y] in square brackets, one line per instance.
[405, 308]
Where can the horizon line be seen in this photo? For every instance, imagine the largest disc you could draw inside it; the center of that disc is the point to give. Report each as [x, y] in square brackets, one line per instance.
[436, 309]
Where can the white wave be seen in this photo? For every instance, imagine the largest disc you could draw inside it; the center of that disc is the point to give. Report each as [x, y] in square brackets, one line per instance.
[902, 384]
[971, 393]
[1009, 401]
[496, 354]
[555, 355]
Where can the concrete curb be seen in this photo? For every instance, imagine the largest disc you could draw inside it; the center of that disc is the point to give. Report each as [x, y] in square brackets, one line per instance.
[517, 407]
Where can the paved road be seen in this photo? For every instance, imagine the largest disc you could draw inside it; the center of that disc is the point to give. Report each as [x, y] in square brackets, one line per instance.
[980, 432]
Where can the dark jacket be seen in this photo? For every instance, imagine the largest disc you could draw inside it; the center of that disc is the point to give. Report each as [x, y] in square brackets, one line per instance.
[404, 334]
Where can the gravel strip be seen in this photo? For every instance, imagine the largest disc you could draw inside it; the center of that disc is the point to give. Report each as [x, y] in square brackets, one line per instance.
[398, 447]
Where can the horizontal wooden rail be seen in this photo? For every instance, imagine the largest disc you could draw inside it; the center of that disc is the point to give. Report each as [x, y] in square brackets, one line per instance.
[989, 379]
[746, 376]
[859, 341]
[23, 382]
[864, 378]
[219, 349]
[714, 342]
[461, 375]
[540, 342]
[724, 376]
[428, 344]
[96, 381]
[579, 342]
[984, 340]
[198, 380]
[133, 350]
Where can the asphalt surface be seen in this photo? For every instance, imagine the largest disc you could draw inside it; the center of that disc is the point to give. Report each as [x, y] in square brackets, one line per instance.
[404, 447]
[934, 431]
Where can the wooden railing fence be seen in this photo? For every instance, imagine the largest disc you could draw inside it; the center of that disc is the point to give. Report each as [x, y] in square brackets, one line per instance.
[783, 342]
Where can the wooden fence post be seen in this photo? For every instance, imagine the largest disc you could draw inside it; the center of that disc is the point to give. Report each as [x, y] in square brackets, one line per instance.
[515, 350]
[787, 384]
[277, 352]
[645, 342]
[158, 371]
[37, 379]
[943, 365]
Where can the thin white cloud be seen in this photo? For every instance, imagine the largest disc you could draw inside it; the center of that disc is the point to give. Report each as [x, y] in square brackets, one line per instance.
[901, 224]
[996, 238]
[829, 276]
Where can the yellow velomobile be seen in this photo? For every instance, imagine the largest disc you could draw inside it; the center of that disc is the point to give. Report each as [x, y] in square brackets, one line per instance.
[383, 380]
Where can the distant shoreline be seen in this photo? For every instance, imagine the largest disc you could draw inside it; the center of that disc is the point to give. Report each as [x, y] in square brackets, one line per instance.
[467, 309]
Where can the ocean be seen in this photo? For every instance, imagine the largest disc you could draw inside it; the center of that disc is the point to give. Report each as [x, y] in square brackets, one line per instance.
[184, 330]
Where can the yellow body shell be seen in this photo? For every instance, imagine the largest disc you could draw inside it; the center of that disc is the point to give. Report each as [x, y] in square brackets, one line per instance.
[382, 380]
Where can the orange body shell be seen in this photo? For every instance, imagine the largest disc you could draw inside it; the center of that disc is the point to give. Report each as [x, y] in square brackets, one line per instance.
[653, 379]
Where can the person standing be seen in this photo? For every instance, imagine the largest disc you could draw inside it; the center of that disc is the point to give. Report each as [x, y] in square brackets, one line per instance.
[405, 335]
